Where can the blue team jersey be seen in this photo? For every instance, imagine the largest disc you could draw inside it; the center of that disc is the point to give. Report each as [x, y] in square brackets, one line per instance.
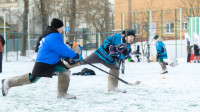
[116, 39]
[160, 47]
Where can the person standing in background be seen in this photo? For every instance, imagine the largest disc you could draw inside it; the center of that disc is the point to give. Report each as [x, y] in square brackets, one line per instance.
[161, 53]
[188, 51]
[137, 53]
[2, 43]
[148, 53]
[196, 53]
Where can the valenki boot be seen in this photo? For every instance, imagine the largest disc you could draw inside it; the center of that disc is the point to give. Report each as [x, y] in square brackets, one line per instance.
[14, 81]
[113, 82]
[63, 84]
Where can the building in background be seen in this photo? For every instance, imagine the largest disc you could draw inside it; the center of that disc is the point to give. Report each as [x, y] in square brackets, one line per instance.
[167, 18]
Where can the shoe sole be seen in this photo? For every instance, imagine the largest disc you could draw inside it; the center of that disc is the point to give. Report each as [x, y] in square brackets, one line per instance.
[3, 93]
[117, 91]
[58, 97]
[124, 92]
[66, 98]
[164, 72]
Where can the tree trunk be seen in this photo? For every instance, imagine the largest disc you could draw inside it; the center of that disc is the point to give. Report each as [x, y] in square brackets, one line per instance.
[72, 21]
[102, 37]
[25, 27]
[43, 14]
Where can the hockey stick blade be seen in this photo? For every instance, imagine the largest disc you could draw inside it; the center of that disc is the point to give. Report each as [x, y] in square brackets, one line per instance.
[125, 82]
[134, 84]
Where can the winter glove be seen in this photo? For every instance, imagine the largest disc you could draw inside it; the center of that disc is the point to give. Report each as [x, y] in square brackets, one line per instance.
[117, 48]
[78, 58]
[113, 52]
[75, 60]
[121, 47]
[70, 61]
[112, 49]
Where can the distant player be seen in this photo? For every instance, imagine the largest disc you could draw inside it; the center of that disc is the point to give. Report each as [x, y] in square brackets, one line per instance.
[161, 53]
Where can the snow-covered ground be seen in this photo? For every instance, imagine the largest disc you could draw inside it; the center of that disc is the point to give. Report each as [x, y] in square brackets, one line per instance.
[179, 92]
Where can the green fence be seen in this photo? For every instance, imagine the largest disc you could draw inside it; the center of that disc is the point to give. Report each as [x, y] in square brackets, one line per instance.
[89, 41]
[170, 24]
[12, 48]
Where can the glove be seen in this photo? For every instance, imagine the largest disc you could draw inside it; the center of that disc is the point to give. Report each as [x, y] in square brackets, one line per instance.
[112, 49]
[74, 60]
[118, 48]
[70, 61]
[121, 47]
[158, 55]
[78, 58]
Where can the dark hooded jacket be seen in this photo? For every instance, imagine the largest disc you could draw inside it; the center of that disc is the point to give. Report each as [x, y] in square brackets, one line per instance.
[189, 47]
[196, 50]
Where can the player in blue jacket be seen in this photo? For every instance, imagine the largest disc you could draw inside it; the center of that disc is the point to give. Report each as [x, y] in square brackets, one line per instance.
[161, 53]
[114, 48]
[51, 49]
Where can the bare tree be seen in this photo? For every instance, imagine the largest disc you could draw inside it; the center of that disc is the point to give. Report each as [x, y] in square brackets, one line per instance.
[72, 20]
[25, 22]
[51, 8]
[97, 14]
[193, 4]
[43, 13]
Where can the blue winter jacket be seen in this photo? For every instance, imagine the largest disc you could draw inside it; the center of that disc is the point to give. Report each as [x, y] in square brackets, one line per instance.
[160, 47]
[116, 39]
[52, 48]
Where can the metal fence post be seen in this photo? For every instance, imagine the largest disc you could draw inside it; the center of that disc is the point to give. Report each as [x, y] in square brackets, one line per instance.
[147, 27]
[29, 42]
[134, 30]
[4, 30]
[161, 29]
[86, 43]
[181, 29]
[17, 44]
[75, 36]
[6, 48]
[176, 32]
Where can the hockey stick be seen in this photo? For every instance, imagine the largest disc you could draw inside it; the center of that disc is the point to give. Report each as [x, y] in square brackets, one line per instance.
[130, 84]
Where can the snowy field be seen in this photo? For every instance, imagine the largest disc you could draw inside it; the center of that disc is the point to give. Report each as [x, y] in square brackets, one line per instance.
[179, 92]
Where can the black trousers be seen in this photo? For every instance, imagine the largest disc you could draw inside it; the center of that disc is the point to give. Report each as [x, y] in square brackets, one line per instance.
[1, 58]
[45, 70]
[188, 57]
